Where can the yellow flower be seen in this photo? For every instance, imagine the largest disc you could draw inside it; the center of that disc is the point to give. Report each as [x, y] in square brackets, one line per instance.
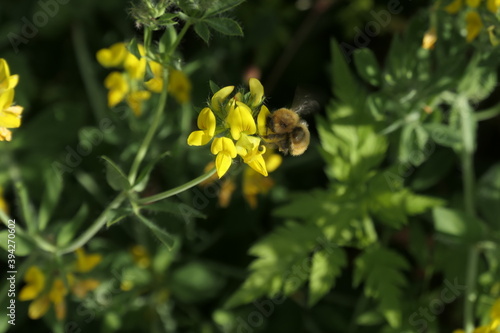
[219, 97]
[256, 92]
[156, 83]
[39, 307]
[473, 25]
[473, 3]
[81, 287]
[7, 81]
[35, 282]
[112, 56]
[135, 100]
[136, 67]
[179, 86]
[262, 120]
[250, 149]
[492, 5]
[86, 262]
[206, 123]
[254, 183]
[225, 150]
[430, 39]
[240, 121]
[118, 88]
[3, 204]
[140, 256]
[454, 7]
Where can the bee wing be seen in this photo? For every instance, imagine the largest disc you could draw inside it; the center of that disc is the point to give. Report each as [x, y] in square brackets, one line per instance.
[304, 103]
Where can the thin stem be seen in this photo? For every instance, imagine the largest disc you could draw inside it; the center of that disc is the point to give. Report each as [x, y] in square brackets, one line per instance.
[180, 36]
[468, 129]
[141, 153]
[178, 189]
[94, 228]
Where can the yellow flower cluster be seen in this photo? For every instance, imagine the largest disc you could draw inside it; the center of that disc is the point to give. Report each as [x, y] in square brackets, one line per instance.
[10, 114]
[236, 125]
[494, 323]
[130, 85]
[473, 21]
[43, 294]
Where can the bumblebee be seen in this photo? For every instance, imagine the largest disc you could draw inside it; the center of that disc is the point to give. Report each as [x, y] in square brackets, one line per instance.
[289, 133]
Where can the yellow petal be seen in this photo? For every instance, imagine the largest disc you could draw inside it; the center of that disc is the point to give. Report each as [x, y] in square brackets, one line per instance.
[258, 164]
[136, 99]
[156, 69]
[112, 56]
[179, 86]
[273, 161]
[4, 69]
[198, 138]
[10, 118]
[118, 88]
[430, 39]
[155, 85]
[454, 7]
[206, 121]
[222, 163]
[81, 288]
[492, 6]
[58, 291]
[223, 145]
[262, 120]
[135, 67]
[35, 282]
[473, 3]
[240, 120]
[5, 134]
[256, 92]
[39, 307]
[473, 25]
[219, 97]
[495, 310]
[86, 262]
[6, 99]
[9, 83]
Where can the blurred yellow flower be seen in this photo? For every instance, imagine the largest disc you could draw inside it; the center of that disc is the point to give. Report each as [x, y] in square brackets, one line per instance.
[136, 67]
[493, 37]
[225, 151]
[135, 100]
[86, 262]
[112, 56]
[474, 24]
[140, 256]
[80, 288]
[179, 86]
[206, 124]
[156, 83]
[3, 204]
[454, 7]
[492, 5]
[35, 282]
[10, 115]
[118, 88]
[473, 3]
[430, 39]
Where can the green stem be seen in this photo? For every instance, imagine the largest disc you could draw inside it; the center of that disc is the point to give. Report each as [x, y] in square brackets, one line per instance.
[141, 153]
[180, 36]
[178, 189]
[468, 129]
[94, 228]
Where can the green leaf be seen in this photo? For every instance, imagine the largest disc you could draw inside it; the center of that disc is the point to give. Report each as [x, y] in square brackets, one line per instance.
[202, 30]
[225, 26]
[53, 189]
[434, 169]
[221, 6]
[168, 39]
[28, 212]
[195, 282]
[367, 66]
[381, 270]
[143, 178]
[166, 238]
[175, 208]
[115, 176]
[68, 231]
[488, 195]
[444, 135]
[458, 224]
[326, 267]
[277, 255]
[345, 87]
[22, 247]
[213, 87]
